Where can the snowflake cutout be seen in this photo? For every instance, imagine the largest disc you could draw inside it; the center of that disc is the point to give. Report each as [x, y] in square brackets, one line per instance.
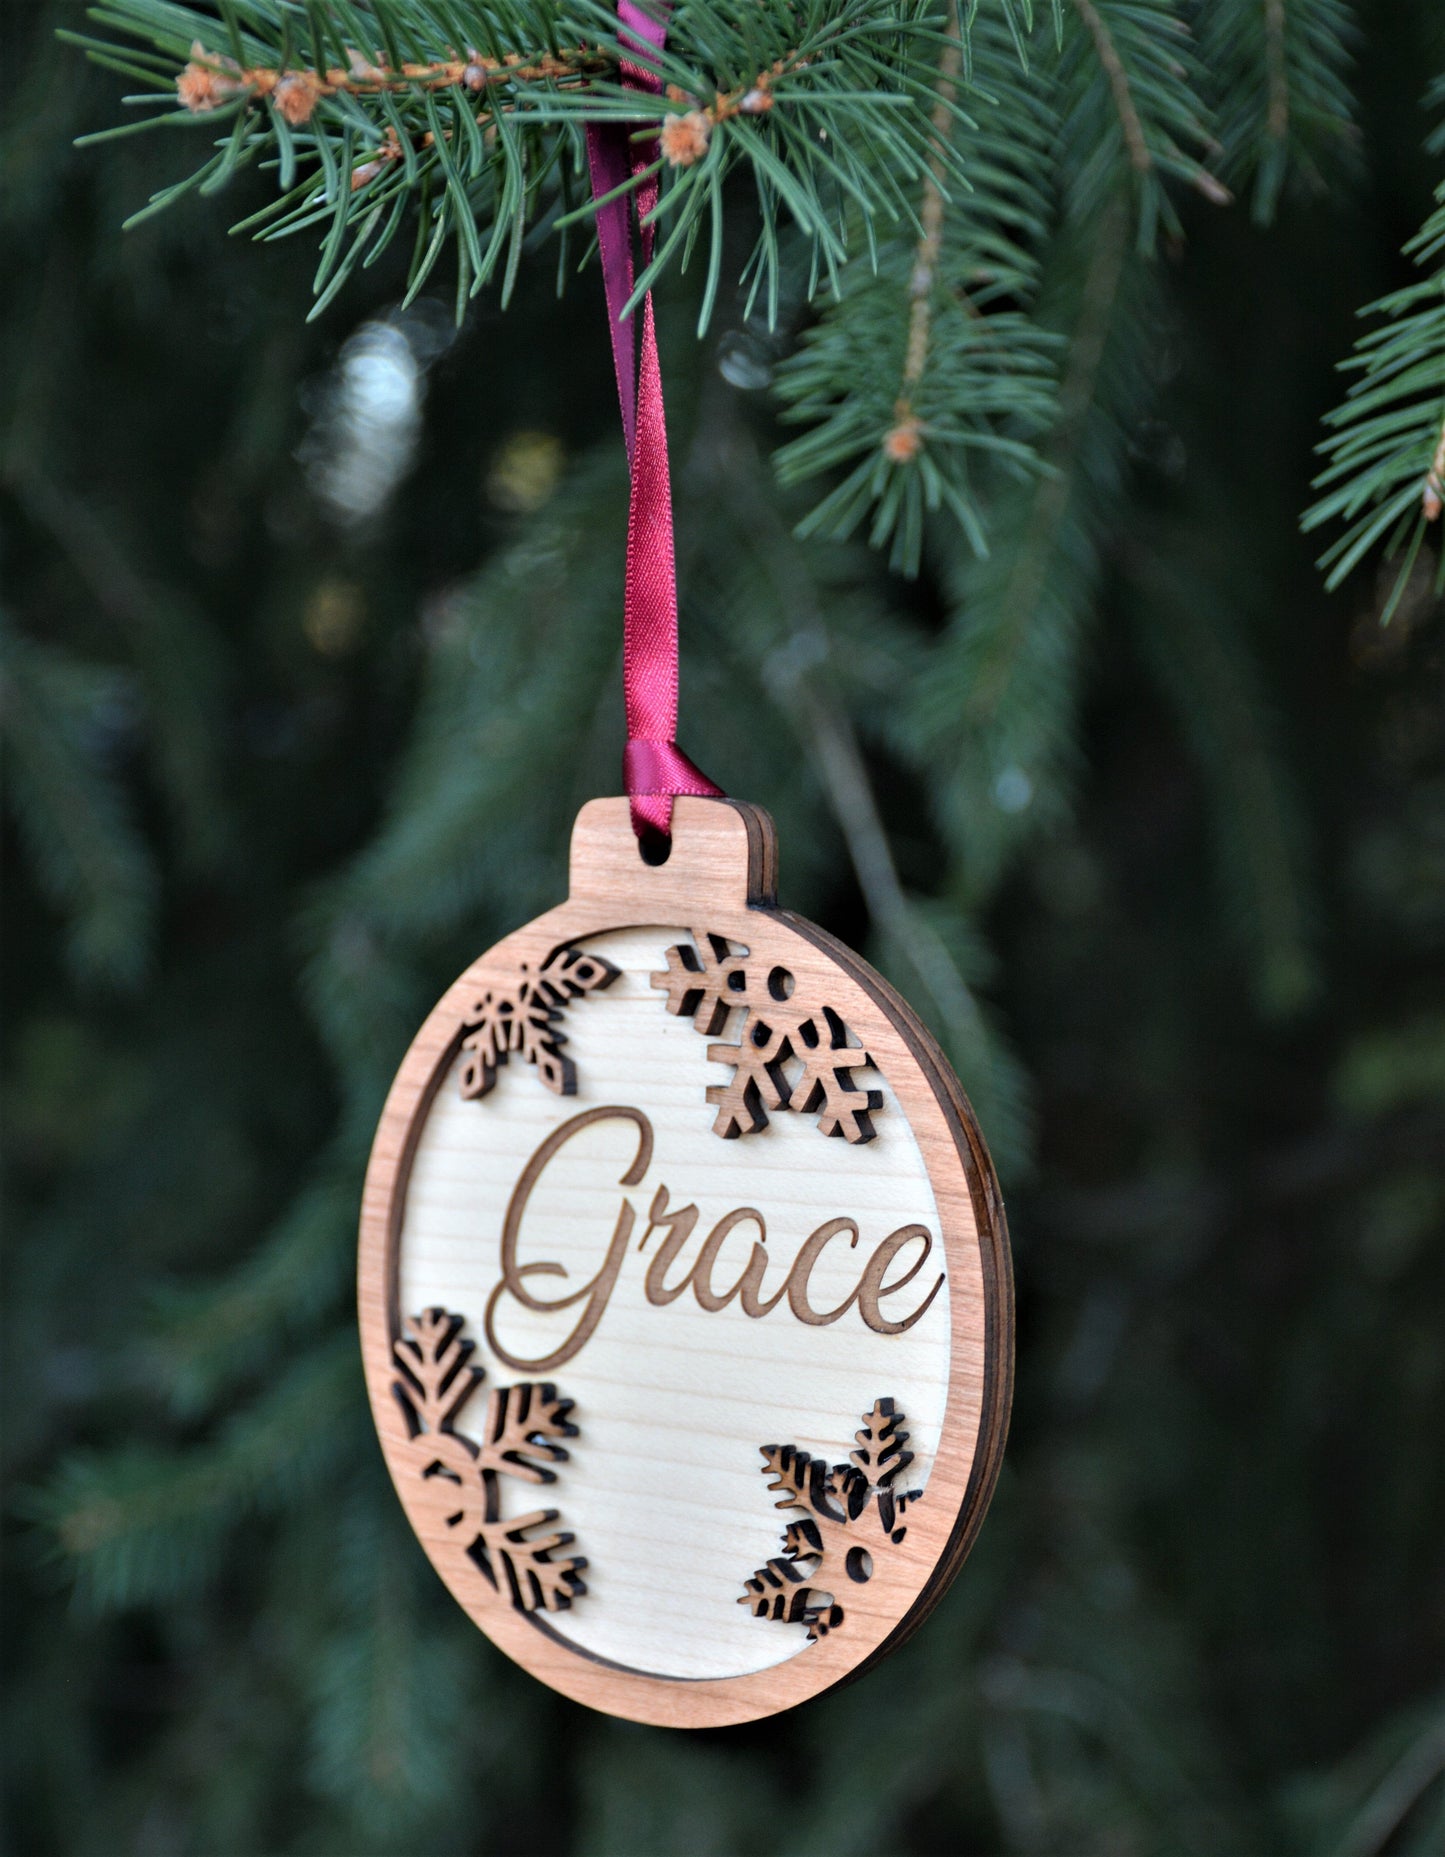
[782, 1029]
[523, 1017]
[850, 1517]
[519, 1438]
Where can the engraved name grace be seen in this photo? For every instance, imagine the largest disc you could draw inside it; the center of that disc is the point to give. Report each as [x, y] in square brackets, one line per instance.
[706, 982]
[889, 1270]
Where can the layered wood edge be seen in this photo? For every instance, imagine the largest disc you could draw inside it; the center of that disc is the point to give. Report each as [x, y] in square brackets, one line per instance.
[997, 1266]
[613, 888]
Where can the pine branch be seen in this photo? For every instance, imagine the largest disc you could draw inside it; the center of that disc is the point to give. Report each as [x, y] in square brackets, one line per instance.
[383, 1687]
[456, 816]
[1189, 634]
[929, 366]
[992, 718]
[204, 1339]
[1385, 479]
[372, 114]
[1131, 111]
[926, 370]
[1121, 88]
[452, 813]
[71, 806]
[772, 610]
[169, 643]
[144, 1523]
[930, 382]
[1277, 71]
[903, 438]
[914, 947]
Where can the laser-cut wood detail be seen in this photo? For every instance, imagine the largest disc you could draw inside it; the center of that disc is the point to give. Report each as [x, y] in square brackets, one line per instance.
[441, 1174]
[519, 1438]
[850, 1517]
[704, 982]
[523, 1015]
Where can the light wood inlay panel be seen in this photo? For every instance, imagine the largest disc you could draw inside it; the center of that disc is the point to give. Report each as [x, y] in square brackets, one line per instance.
[664, 1490]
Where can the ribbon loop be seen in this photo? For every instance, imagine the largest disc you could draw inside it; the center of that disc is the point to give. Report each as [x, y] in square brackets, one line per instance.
[654, 768]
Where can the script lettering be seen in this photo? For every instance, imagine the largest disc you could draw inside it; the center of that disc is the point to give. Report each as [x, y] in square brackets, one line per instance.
[597, 1291]
[803, 1269]
[873, 1289]
[677, 1225]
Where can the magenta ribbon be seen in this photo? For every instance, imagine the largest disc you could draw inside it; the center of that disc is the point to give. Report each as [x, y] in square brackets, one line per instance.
[654, 768]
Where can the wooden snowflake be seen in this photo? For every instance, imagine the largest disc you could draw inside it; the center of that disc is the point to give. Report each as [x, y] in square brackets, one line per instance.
[794, 1051]
[520, 1435]
[523, 1017]
[850, 1517]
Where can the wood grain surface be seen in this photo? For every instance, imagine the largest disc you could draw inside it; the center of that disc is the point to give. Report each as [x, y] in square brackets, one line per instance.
[695, 1298]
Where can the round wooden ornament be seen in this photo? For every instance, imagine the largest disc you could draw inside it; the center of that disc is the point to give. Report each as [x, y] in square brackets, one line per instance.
[685, 1296]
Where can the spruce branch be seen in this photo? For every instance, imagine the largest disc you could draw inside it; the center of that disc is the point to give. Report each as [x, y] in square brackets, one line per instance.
[1277, 114]
[72, 807]
[914, 948]
[774, 611]
[146, 1522]
[203, 1340]
[1276, 72]
[384, 1687]
[929, 366]
[1385, 476]
[377, 114]
[172, 650]
[1132, 111]
[1189, 634]
[992, 720]
[903, 441]
[1136, 143]
[211, 80]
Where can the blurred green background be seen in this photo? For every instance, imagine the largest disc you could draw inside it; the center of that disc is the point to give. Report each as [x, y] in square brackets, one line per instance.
[311, 651]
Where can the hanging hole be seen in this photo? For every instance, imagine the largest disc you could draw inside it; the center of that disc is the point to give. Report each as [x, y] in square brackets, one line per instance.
[655, 846]
[859, 1564]
[781, 983]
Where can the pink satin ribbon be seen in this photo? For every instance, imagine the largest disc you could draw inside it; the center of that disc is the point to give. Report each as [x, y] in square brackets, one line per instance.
[654, 768]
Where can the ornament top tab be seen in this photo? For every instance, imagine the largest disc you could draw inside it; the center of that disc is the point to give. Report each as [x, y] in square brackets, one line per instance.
[685, 1295]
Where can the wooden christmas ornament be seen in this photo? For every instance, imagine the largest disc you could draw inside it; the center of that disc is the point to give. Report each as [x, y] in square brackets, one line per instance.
[678, 1215]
